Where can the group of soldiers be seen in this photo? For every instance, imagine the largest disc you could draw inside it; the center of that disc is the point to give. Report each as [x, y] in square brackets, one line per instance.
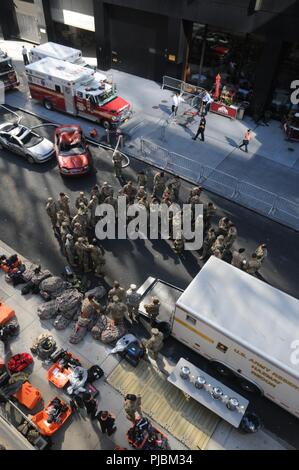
[220, 242]
[72, 231]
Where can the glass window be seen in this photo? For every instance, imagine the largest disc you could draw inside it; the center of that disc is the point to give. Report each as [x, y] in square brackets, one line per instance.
[57, 88]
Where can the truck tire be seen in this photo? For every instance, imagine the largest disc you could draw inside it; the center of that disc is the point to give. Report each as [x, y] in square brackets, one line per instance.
[106, 124]
[250, 387]
[222, 370]
[48, 105]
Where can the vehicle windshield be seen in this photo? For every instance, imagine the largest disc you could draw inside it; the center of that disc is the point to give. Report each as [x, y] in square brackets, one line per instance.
[6, 66]
[30, 139]
[104, 98]
[67, 150]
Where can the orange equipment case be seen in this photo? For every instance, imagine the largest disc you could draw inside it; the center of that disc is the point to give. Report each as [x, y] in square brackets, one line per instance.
[6, 313]
[28, 395]
[48, 429]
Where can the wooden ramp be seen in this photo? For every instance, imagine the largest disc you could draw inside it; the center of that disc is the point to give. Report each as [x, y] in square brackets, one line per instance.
[185, 419]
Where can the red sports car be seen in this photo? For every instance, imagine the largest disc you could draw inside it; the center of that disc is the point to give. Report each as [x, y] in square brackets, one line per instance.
[72, 153]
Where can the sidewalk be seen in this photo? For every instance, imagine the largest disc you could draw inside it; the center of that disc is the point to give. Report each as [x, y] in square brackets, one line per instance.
[270, 169]
[79, 432]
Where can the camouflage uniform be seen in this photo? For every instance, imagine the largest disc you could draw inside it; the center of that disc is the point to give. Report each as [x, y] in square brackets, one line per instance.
[141, 179]
[141, 193]
[130, 192]
[81, 248]
[51, 210]
[92, 205]
[81, 199]
[261, 252]
[95, 192]
[117, 291]
[112, 201]
[176, 185]
[133, 301]
[238, 260]
[97, 259]
[132, 407]
[63, 204]
[69, 248]
[78, 231]
[153, 310]
[155, 343]
[253, 266]
[159, 184]
[230, 237]
[117, 163]
[117, 310]
[218, 244]
[196, 191]
[106, 191]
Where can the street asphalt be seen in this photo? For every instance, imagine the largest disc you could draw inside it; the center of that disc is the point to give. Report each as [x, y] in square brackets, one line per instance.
[25, 226]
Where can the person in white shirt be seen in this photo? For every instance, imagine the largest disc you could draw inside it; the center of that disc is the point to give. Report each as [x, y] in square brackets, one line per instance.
[176, 100]
[25, 55]
[207, 100]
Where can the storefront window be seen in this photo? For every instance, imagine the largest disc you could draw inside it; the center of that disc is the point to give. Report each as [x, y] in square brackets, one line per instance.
[233, 56]
[288, 71]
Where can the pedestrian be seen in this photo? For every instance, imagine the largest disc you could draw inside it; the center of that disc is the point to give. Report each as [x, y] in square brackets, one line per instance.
[132, 405]
[246, 140]
[92, 205]
[81, 199]
[176, 100]
[201, 129]
[51, 210]
[238, 259]
[118, 291]
[261, 252]
[63, 204]
[90, 404]
[155, 343]
[106, 421]
[218, 244]
[25, 55]
[223, 226]
[117, 163]
[141, 179]
[175, 183]
[230, 237]
[159, 184]
[153, 310]
[95, 191]
[130, 191]
[252, 267]
[69, 249]
[195, 191]
[133, 299]
[206, 101]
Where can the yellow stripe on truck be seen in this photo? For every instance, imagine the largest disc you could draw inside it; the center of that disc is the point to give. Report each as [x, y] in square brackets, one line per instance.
[194, 330]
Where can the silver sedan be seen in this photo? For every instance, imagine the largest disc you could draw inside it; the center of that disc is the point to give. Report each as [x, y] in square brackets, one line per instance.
[23, 141]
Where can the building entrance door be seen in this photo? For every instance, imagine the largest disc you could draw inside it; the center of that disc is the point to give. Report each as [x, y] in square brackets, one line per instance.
[28, 27]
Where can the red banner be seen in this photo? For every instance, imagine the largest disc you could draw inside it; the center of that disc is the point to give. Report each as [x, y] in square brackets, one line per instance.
[224, 110]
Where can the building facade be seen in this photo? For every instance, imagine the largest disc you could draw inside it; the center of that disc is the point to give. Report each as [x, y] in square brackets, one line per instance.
[253, 44]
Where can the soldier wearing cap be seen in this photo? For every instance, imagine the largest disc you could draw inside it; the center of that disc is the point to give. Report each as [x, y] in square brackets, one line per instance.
[153, 310]
[118, 291]
[141, 179]
[117, 310]
[63, 204]
[218, 244]
[155, 343]
[106, 191]
[133, 301]
[51, 210]
[253, 265]
[92, 205]
[130, 191]
[81, 199]
[117, 163]
[69, 248]
[132, 405]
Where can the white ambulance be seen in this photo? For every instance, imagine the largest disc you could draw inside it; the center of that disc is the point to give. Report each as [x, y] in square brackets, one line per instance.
[244, 327]
[76, 90]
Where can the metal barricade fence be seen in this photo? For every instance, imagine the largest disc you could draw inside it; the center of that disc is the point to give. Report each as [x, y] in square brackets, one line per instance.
[242, 192]
[173, 83]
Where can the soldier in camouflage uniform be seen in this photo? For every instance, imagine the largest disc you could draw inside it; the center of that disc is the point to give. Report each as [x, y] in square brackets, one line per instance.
[132, 405]
[81, 199]
[63, 204]
[81, 216]
[51, 210]
[159, 184]
[69, 249]
[118, 291]
[130, 191]
[106, 191]
[175, 183]
[196, 191]
[253, 265]
[117, 310]
[155, 343]
[153, 310]
[92, 205]
[96, 192]
[117, 163]
[97, 259]
[78, 231]
[112, 201]
[81, 248]
[141, 179]
[141, 193]
[133, 301]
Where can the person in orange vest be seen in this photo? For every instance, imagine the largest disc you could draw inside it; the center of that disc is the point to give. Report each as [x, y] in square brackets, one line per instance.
[246, 140]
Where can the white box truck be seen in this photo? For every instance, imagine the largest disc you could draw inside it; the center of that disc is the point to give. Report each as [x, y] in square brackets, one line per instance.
[242, 325]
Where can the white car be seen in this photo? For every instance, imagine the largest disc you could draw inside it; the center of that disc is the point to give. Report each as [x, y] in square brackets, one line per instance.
[23, 141]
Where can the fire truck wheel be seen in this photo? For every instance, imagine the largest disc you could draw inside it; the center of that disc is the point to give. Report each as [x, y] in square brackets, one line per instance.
[30, 159]
[106, 124]
[48, 105]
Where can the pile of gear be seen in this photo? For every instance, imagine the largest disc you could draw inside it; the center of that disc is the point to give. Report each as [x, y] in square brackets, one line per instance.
[63, 308]
[142, 435]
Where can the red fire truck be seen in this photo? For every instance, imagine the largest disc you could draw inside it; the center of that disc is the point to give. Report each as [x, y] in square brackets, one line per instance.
[8, 75]
[76, 90]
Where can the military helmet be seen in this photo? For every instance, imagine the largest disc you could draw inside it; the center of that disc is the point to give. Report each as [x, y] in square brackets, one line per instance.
[156, 300]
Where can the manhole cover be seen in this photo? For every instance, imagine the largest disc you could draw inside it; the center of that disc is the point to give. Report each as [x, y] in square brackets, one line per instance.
[155, 107]
[164, 101]
[290, 149]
